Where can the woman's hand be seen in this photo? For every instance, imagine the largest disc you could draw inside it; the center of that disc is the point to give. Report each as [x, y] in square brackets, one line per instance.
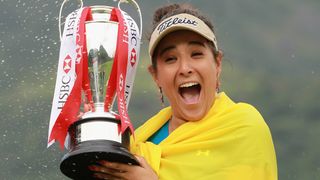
[119, 171]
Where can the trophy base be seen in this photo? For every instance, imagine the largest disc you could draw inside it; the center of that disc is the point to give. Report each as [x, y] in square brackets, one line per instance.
[75, 163]
[92, 139]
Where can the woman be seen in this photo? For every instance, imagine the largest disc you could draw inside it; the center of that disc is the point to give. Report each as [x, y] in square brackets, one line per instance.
[202, 134]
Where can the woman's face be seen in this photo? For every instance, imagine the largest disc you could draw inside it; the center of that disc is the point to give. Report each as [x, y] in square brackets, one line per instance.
[187, 73]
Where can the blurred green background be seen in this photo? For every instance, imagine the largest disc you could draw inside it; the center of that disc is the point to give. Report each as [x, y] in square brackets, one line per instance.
[271, 61]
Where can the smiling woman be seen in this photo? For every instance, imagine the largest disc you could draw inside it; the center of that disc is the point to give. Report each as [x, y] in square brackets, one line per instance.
[203, 134]
[188, 75]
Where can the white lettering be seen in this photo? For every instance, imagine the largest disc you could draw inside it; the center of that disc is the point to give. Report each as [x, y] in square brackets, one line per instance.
[164, 25]
[64, 91]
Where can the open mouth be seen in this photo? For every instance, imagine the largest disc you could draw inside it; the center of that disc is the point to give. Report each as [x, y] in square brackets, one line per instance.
[190, 92]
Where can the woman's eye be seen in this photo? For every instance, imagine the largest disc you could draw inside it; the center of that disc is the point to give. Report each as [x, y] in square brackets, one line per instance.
[170, 59]
[196, 54]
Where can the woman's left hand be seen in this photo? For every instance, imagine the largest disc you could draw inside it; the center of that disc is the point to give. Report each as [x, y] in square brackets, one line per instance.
[119, 171]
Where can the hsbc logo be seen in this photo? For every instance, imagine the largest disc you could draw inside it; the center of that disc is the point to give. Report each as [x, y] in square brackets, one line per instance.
[121, 82]
[79, 54]
[67, 64]
[133, 57]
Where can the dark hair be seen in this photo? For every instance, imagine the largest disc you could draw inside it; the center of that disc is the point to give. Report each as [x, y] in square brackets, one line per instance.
[173, 9]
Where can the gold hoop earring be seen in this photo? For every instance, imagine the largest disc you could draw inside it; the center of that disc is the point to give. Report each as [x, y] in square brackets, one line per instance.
[218, 86]
[161, 97]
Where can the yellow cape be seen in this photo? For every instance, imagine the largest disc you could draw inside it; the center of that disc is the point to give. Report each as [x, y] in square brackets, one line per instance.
[232, 142]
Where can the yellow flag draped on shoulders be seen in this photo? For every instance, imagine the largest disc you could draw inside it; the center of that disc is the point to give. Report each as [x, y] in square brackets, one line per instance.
[232, 142]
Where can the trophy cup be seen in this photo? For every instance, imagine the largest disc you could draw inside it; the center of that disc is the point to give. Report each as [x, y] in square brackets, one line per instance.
[97, 134]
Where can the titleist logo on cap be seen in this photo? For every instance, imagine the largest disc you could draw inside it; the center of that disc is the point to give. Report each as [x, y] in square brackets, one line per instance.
[164, 25]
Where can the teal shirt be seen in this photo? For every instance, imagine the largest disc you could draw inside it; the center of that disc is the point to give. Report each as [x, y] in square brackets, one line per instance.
[160, 135]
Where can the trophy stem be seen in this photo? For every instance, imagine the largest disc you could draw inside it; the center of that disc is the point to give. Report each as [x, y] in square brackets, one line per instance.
[96, 77]
[99, 107]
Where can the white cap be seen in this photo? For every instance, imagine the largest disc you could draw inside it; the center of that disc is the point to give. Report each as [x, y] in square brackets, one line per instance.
[180, 22]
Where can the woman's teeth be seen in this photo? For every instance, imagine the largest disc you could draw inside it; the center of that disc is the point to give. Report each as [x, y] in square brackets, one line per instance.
[185, 85]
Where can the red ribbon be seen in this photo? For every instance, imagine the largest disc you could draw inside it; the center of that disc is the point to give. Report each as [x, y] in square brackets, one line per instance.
[70, 110]
[119, 69]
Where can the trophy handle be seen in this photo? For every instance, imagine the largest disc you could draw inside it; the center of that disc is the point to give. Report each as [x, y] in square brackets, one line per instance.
[60, 12]
[119, 3]
[135, 4]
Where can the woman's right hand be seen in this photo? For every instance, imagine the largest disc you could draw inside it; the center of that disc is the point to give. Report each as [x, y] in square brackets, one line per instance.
[120, 171]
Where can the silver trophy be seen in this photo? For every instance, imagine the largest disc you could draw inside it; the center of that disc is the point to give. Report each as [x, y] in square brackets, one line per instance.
[96, 135]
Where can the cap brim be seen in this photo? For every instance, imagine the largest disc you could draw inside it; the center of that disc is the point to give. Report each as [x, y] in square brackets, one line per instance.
[180, 22]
